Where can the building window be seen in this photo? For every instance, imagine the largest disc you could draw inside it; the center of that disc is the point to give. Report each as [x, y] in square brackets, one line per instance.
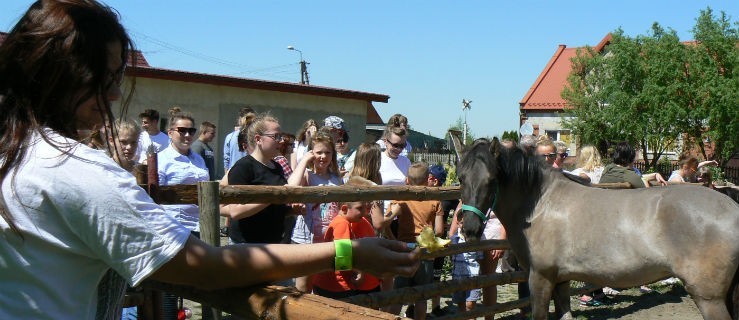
[560, 135]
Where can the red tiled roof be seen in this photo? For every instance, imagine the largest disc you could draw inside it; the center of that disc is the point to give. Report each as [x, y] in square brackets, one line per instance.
[139, 58]
[144, 70]
[544, 94]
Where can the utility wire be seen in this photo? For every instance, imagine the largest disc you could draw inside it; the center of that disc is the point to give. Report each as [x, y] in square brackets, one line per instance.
[215, 60]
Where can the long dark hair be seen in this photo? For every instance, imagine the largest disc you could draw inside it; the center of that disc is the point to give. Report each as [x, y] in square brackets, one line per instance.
[54, 59]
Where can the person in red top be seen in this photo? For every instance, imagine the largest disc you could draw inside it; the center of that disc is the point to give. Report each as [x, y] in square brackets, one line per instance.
[350, 223]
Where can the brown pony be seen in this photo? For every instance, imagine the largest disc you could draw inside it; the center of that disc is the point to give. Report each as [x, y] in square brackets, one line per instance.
[561, 230]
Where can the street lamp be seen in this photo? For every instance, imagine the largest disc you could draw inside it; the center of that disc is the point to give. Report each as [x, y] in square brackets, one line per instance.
[303, 66]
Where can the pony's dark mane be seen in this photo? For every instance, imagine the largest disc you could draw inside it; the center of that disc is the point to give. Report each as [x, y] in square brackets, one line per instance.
[517, 166]
[478, 151]
[513, 165]
[514, 173]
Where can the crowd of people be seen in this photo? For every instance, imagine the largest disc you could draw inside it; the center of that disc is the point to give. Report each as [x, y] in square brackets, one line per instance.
[70, 200]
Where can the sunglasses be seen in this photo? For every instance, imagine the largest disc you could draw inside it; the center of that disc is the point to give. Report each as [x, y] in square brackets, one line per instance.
[553, 155]
[341, 141]
[397, 145]
[275, 136]
[183, 130]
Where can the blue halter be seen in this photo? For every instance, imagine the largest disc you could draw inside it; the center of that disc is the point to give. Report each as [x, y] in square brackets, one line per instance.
[477, 211]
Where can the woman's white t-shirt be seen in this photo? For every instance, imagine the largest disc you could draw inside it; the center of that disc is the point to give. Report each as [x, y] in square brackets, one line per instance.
[80, 216]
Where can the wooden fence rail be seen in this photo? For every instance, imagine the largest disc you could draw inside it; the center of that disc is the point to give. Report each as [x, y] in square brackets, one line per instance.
[272, 302]
[188, 194]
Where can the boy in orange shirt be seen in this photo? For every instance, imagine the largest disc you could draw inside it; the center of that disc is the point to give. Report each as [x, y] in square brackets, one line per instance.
[413, 216]
[350, 223]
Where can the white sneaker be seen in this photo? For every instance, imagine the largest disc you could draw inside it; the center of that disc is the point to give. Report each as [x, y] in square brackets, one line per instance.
[610, 291]
[670, 280]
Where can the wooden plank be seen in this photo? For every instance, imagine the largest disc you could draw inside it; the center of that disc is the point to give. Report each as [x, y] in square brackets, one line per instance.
[273, 302]
[468, 247]
[187, 194]
[410, 294]
[209, 228]
[285, 194]
[614, 185]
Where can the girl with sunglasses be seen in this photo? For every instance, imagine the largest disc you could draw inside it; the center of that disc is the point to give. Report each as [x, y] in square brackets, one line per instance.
[177, 164]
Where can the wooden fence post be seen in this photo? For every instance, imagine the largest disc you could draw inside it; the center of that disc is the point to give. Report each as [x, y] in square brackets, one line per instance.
[208, 202]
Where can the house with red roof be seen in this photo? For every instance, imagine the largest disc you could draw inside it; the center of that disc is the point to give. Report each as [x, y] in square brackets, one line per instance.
[543, 106]
[218, 98]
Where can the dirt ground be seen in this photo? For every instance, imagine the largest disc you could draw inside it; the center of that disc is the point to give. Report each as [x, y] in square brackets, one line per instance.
[665, 302]
[669, 302]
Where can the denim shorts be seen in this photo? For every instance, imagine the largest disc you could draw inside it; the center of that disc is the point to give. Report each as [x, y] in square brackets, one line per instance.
[424, 275]
[466, 295]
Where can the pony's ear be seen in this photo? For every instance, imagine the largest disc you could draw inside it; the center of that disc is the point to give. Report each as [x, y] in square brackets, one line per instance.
[495, 147]
[459, 147]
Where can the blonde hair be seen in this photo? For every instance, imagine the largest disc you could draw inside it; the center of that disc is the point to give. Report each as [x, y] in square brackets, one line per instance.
[396, 130]
[307, 124]
[397, 120]
[418, 174]
[561, 146]
[241, 138]
[367, 162]
[589, 159]
[544, 140]
[257, 126]
[326, 139]
[176, 113]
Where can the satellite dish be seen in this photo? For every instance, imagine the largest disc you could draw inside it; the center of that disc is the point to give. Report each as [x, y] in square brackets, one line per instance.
[526, 129]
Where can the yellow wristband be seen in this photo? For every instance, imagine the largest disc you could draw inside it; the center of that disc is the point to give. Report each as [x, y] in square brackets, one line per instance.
[343, 259]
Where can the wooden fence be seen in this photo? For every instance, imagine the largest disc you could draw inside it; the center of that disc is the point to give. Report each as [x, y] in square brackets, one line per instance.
[731, 174]
[273, 302]
[434, 158]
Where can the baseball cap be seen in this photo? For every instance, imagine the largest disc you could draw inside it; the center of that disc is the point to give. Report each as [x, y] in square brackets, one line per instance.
[334, 122]
[438, 172]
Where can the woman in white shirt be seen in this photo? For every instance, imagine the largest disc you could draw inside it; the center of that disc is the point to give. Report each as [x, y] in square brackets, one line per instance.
[70, 216]
[177, 164]
[589, 165]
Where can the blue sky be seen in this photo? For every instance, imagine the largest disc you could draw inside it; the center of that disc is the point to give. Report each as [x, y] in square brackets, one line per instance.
[426, 55]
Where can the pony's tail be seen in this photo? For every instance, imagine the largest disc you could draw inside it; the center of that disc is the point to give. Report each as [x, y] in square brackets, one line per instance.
[732, 297]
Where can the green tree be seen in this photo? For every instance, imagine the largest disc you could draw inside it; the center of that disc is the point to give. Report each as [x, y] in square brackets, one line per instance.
[714, 71]
[652, 89]
[510, 135]
[459, 126]
[627, 92]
